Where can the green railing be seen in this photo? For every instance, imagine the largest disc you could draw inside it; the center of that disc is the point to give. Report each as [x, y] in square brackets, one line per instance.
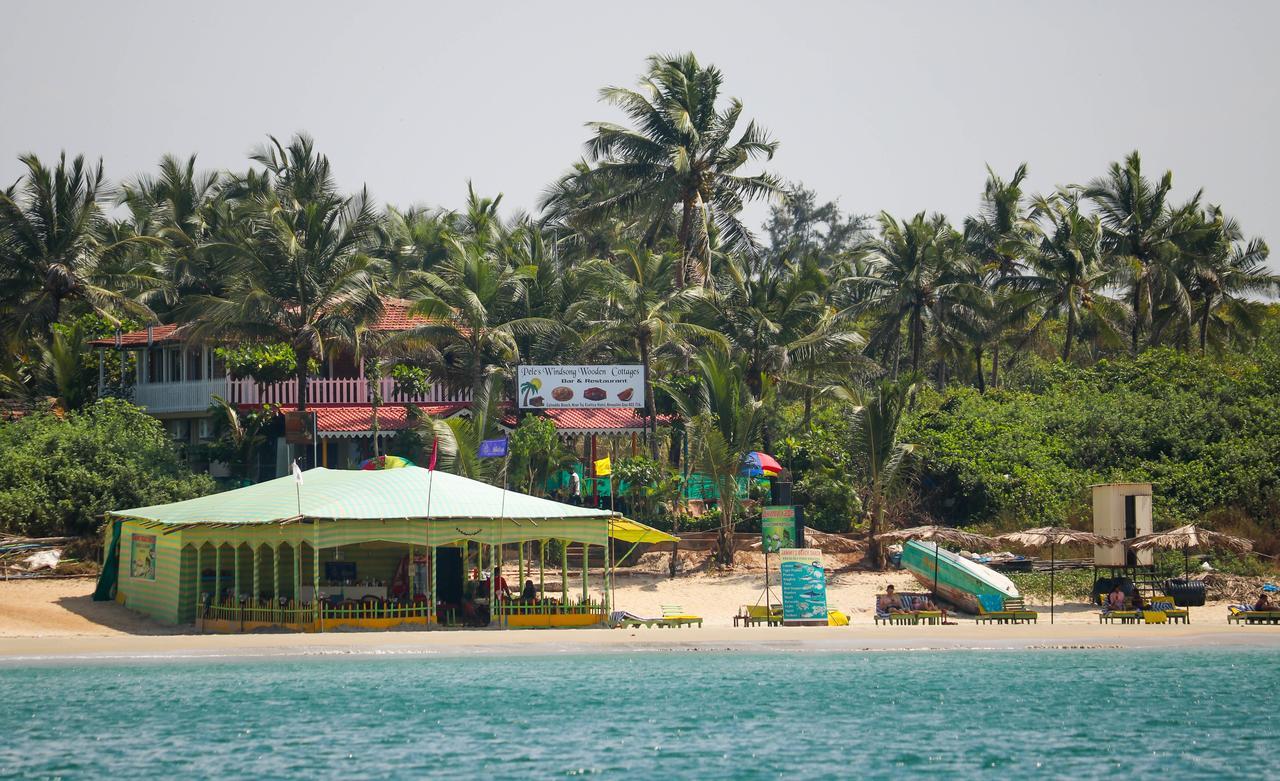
[589, 607]
[374, 609]
[268, 613]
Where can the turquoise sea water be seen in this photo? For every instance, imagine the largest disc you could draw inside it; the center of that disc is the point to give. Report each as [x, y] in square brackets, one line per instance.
[680, 715]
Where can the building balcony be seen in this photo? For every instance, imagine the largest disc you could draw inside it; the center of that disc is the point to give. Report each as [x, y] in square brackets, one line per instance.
[167, 398]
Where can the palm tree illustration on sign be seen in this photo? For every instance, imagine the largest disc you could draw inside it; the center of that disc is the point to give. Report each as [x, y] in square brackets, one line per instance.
[532, 386]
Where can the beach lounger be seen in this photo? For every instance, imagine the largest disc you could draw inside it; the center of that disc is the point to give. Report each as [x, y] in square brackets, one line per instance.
[1173, 614]
[1109, 616]
[996, 608]
[754, 615]
[1244, 614]
[673, 616]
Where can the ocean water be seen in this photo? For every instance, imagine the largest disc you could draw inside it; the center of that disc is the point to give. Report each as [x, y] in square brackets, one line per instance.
[1186, 713]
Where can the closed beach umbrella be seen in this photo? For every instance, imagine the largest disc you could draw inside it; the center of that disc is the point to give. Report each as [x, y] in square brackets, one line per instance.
[1053, 536]
[1184, 538]
[937, 535]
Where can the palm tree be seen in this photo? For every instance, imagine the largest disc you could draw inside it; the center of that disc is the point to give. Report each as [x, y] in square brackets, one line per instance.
[473, 306]
[239, 435]
[55, 250]
[1069, 275]
[184, 210]
[726, 422]
[302, 272]
[915, 271]
[634, 305]
[679, 155]
[880, 457]
[458, 438]
[998, 237]
[55, 373]
[1222, 270]
[1142, 237]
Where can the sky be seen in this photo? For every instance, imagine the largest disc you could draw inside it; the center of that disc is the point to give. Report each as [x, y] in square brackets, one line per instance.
[881, 106]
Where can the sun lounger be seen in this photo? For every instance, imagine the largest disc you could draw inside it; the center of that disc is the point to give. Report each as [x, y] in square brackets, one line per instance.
[674, 616]
[1244, 614]
[1109, 616]
[754, 615]
[996, 608]
[1173, 614]
[908, 612]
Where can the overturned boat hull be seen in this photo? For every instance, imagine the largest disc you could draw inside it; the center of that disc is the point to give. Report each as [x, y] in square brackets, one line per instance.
[960, 581]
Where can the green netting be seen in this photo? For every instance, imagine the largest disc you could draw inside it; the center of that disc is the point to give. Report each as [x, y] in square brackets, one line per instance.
[110, 575]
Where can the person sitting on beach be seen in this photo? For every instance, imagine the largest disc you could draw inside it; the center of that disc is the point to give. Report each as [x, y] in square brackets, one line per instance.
[1116, 599]
[1139, 603]
[529, 594]
[1264, 603]
[926, 604]
[888, 601]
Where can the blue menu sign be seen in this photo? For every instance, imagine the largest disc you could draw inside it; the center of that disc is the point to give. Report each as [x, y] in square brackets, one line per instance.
[804, 586]
[493, 448]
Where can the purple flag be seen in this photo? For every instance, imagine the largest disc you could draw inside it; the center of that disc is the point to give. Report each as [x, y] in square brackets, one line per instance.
[493, 448]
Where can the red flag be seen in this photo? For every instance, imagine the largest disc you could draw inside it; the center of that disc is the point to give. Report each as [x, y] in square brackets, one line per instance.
[435, 446]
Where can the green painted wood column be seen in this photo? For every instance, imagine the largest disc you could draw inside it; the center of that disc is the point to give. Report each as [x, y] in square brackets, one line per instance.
[275, 575]
[199, 546]
[431, 586]
[296, 548]
[586, 557]
[235, 598]
[257, 576]
[217, 574]
[564, 572]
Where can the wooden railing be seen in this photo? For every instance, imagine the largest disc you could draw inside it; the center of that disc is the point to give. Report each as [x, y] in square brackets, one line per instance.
[336, 391]
[549, 608]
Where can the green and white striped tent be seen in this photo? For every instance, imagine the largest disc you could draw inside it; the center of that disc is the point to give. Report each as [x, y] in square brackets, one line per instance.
[158, 547]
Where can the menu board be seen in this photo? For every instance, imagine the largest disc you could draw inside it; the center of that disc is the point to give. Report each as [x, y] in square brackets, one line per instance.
[804, 586]
[777, 528]
[578, 387]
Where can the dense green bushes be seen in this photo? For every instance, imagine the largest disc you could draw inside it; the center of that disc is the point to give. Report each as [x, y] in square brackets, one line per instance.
[1204, 430]
[58, 474]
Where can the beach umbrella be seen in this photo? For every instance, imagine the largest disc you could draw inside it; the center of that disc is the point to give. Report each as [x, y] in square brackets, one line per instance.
[756, 463]
[938, 535]
[385, 462]
[1053, 536]
[1184, 538]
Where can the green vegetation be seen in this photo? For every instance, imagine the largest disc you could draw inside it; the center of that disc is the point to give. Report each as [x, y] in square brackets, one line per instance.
[906, 368]
[60, 473]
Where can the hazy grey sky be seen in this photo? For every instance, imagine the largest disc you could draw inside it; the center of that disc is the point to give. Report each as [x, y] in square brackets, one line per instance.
[892, 106]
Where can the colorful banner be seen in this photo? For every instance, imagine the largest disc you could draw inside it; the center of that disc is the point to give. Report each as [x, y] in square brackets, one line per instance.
[493, 448]
[572, 387]
[142, 557]
[777, 528]
[804, 586]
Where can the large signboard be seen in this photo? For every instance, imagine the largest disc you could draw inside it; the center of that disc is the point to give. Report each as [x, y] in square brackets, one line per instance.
[142, 557]
[576, 387]
[804, 586]
[777, 528]
[299, 427]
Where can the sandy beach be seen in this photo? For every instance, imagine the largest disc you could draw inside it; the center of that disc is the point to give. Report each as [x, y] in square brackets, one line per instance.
[57, 620]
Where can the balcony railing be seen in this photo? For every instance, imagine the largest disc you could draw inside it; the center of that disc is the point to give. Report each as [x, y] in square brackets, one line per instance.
[196, 396]
[336, 391]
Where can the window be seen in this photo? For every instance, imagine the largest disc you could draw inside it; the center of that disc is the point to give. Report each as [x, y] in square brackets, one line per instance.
[155, 365]
[206, 428]
[195, 365]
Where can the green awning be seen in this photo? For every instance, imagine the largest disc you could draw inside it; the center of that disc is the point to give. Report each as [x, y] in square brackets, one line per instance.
[335, 494]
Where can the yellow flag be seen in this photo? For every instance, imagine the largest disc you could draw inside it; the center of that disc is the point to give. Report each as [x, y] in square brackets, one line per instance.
[603, 467]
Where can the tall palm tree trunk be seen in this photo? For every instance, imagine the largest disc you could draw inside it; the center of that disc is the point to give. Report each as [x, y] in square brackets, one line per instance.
[1071, 334]
[686, 252]
[650, 411]
[977, 359]
[1204, 326]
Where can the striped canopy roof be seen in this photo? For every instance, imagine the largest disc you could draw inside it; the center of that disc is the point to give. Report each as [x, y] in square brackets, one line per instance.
[336, 494]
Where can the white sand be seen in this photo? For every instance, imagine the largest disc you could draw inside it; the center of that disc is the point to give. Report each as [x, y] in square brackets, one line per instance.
[57, 619]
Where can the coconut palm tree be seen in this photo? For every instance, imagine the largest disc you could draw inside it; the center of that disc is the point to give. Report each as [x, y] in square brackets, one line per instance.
[302, 274]
[1142, 238]
[680, 155]
[998, 237]
[472, 303]
[457, 439]
[726, 420]
[634, 305]
[56, 250]
[881, 459]
[1069, 275]
[55, 372]
[916, 269]
[1222, 271]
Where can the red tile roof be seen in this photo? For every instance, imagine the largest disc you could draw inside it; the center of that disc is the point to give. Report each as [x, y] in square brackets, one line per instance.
[358, 418]
[159, 334]
[395, 317]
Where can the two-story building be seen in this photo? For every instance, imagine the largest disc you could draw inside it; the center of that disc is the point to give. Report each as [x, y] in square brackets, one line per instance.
[176, 381]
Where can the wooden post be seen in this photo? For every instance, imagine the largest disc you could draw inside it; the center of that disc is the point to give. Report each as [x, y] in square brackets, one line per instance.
[431, 587]
[217, 574]
[236, 569]
[520, 563]
[542, 561]
[586, 557]
[297, 575]
[564, 572]
[275, 576]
